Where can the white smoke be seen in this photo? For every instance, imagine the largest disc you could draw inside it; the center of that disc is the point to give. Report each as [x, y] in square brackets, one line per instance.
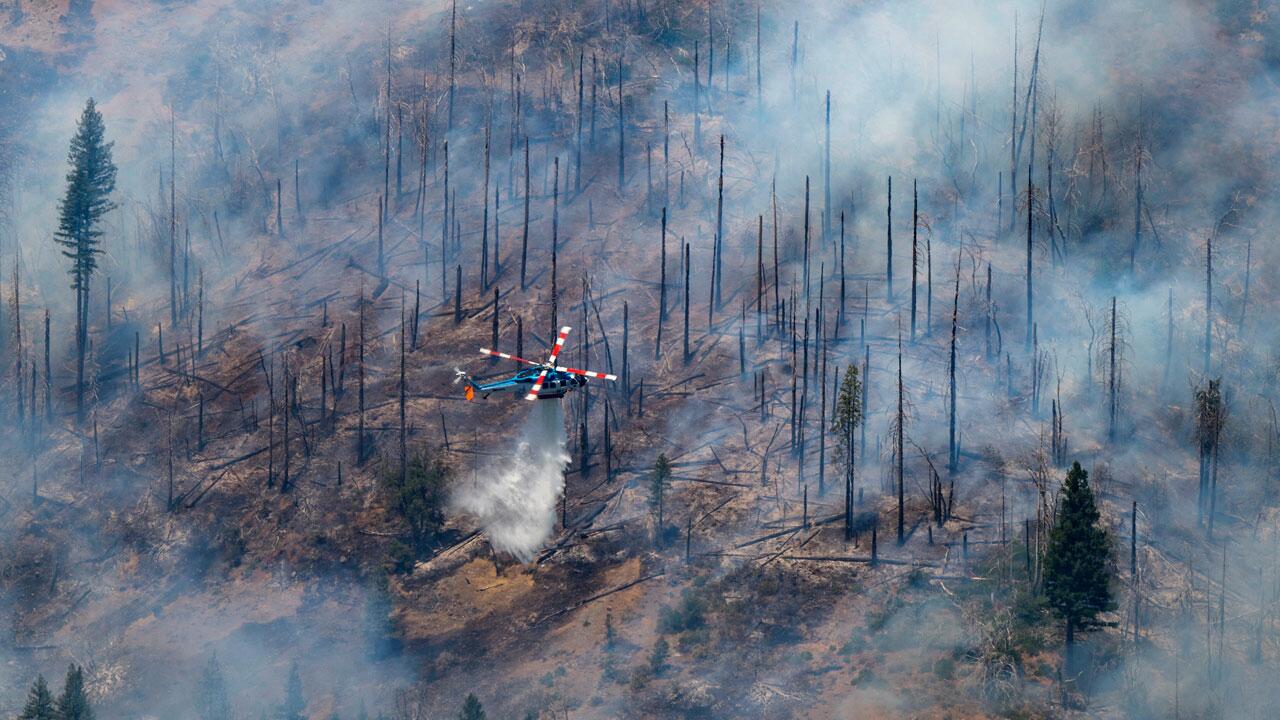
[515, 498]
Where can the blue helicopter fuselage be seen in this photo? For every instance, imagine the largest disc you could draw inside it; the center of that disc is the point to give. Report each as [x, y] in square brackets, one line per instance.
[555, 385]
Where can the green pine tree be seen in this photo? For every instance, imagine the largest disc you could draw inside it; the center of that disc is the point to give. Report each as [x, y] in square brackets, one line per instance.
[844, 423]
[658, 479]
[39, 703]
[212, 699]
[90, 182]
[471, 708]
[73, 704]
[295, 704]
[1076, 580]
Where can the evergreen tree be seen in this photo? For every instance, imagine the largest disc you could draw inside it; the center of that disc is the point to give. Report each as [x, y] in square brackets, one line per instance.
[295, 704]
[39, 703]
[420, 494]
[471, 708]
[73, 704]
[658, 656]
[212, 700]
[658, 480]
[1076, 580]
[844, 423]
[90, 182]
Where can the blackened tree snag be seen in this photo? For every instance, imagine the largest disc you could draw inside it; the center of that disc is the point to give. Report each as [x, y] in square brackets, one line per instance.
[555, 246]
[622, 132]
[524, 237]
[953, 455]
[888, 233]
[686, 303]
[453, 62]
[1030, 289]
[901, 447]
[662, 289]
[717, 272]
[915, 252]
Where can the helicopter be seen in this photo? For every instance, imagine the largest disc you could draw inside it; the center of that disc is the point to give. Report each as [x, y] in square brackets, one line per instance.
[541, 381]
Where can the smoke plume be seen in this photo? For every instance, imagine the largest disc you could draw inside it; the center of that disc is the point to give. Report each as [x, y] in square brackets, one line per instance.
[514, 497]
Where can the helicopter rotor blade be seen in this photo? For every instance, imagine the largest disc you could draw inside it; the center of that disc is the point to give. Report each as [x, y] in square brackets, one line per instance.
[507, 356]
[588, 373]
[537, 386]
[555, 351]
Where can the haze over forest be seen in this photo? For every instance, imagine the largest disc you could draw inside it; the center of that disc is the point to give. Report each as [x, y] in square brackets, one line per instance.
[874, 277]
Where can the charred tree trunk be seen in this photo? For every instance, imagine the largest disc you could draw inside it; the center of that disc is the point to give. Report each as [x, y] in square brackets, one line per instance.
[686, 303]
[953, 456]
[915, 252]
[524, 237]
[888, 231]
[901, 449]
[662, 288]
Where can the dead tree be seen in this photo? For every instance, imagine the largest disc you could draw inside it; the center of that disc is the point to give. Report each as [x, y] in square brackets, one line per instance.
[1112, 384]
[915, 252]
[555, 244]
[48, 371]
[577, 170]
[626, 365]
[760, 280]
[901, 447]
[284, 457]
[716, 271]
[622, 132]
[444, 226]
[826, 172]
[662, 288]
[888, 231]
[457, 295]
[697, 96]
[382, 256]
[173, 223]
[666, 155]
[1208, 307]
[453, 61]
[806, 244]
[279, 209]
[687, 264]
[484, 232]
[841, 312]
[953, 455]
[1030, 288]
[524, 237]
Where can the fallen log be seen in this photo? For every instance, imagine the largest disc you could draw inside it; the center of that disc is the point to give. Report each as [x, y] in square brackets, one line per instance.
[595, 597]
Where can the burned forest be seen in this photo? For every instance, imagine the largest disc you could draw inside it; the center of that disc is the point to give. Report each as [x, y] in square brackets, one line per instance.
[639, 359]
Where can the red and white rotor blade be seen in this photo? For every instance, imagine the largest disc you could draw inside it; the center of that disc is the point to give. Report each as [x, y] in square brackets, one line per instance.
[506, 356]
[555, 351]
[537, 386]
[588, 373]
